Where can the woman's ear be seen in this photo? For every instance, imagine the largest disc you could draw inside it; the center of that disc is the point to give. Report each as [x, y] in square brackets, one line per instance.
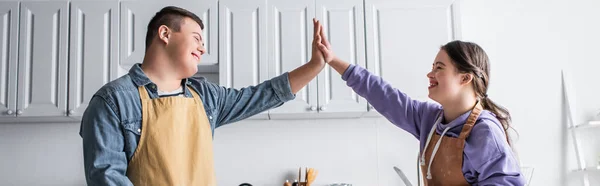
[466, 78]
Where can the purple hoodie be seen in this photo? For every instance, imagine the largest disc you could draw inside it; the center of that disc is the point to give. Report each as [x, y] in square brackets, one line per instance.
[488, 159]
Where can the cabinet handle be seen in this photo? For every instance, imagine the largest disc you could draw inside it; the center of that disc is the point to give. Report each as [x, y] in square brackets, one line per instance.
[313, 108]
[322, 108]
[9, 112]
[19, 112]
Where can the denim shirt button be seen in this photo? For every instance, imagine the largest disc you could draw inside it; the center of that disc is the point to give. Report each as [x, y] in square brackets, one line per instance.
[209, 117]
[139, 130]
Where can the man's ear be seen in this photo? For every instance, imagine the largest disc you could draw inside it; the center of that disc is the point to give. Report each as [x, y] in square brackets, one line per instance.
[164, 33]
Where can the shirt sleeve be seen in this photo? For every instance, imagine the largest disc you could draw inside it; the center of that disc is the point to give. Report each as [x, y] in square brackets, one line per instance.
[237, 104]
[393, 104]
[105, 162]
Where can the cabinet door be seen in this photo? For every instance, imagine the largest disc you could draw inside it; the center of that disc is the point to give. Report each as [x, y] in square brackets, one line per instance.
[403, 38]
[243, 52]
[9, 22]
[43, 59]
[93, 50]
[344, 25]
[290, 38]
[136, 14]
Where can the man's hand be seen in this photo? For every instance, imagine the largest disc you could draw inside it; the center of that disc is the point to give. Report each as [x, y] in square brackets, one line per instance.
[301, 76]
[327, 53]
[322, 43]
[317, 56]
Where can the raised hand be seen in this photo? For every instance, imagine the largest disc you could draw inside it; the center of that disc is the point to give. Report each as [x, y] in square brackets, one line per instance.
[327, 53]
[317, 55]
[324, 45]
[302, 75]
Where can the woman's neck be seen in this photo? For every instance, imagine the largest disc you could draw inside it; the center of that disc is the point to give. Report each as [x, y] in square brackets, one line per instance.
[453, 109]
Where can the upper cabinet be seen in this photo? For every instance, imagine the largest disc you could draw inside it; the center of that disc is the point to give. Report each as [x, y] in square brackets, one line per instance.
[403, 38]
[290, 46]
[243, 44]
[42, 83]
[9, 27]
[344, 27]
[93, 50]
[54, 55]
[136, 14]
[290, 38]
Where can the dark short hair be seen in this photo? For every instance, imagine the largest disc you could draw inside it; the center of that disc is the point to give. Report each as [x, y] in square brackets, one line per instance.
[172, 17]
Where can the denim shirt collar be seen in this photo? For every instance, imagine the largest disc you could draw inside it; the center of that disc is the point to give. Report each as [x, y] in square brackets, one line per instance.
[139, 78]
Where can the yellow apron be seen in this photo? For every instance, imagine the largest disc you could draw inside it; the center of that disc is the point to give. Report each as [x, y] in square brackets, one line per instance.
[175, 146]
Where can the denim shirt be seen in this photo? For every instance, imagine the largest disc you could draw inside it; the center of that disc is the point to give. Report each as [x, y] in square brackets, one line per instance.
[111, 124]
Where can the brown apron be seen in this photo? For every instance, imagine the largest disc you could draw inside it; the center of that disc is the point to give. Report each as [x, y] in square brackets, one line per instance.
[446, 167]
[175, 145]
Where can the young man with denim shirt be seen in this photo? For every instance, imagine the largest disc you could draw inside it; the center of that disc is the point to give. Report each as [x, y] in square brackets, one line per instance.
[154, 125]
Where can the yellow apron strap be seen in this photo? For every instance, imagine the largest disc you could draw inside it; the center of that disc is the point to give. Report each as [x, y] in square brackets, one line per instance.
[194, 94]
[143, 93]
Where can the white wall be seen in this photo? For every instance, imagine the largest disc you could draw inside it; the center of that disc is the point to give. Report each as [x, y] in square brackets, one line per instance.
[357, 151]
[521, 39]
[528, 42]
[41, 154]
[581, 32]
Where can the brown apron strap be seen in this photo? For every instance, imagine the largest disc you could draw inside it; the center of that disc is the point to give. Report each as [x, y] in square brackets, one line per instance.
[466, 130]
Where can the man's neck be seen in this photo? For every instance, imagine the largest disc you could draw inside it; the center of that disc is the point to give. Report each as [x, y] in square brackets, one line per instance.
[160, 72]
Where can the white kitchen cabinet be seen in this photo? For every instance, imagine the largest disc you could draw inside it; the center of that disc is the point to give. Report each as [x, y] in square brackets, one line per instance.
[248, 42]
[9, 25]
[403, 38]
[93, 50]
[290, 37]
[291, 33]
[42, 83]
[344, 25]
[134, 19]
[243, 44]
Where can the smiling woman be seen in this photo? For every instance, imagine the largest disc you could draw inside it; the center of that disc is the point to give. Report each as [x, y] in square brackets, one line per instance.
[465, 130]
[470, 58]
